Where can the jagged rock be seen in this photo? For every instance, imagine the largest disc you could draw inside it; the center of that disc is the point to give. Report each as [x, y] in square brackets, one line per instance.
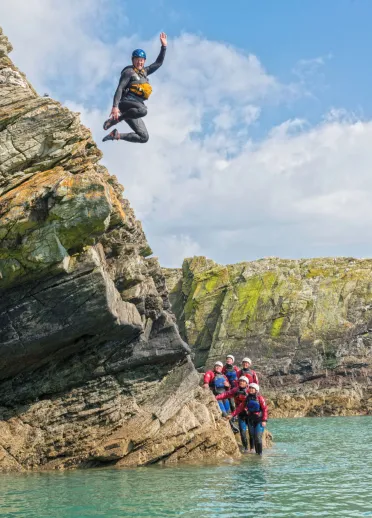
[92, 367]
[306, 323]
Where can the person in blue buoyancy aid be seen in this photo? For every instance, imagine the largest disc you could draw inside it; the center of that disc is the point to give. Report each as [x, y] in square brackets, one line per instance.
[255, 413]
[218, 383]
[231, 372]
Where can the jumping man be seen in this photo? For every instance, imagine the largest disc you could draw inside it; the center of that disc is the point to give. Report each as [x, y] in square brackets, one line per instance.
[133, 89]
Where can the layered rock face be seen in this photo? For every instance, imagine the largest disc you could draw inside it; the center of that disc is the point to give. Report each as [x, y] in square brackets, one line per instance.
[306, 324]
[92, 366]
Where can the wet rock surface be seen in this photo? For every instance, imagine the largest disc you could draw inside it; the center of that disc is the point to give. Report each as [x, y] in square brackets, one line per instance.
[93, 370]
[307, 325]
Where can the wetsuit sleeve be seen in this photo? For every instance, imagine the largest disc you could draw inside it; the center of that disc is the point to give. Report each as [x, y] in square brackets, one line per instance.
[208, 377]
[264, 408]
[123, 83]
[227, 395]
[238, 409]
[158, 63]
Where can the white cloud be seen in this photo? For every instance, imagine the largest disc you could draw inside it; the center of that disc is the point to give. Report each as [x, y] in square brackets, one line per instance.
[178, 247]
[202, 184]
[58, 43]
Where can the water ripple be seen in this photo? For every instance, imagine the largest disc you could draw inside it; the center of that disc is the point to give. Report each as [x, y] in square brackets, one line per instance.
[318, 467]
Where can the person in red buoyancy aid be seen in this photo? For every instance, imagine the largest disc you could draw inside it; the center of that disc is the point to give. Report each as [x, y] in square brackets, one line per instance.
[239, 394]
[231, 372]
[247, 371]
[254, 411]
[218, 383]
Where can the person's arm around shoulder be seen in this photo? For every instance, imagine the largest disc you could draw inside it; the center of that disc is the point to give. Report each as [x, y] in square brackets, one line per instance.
[159, 60]
[264, 409]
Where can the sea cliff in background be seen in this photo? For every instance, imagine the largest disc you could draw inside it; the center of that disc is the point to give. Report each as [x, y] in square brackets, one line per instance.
[306, 324]
[93, 370]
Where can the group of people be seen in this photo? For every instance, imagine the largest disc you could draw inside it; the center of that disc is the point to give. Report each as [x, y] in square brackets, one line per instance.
[238, 394]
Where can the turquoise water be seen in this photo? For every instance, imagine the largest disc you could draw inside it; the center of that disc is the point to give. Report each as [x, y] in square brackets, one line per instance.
[318, 467]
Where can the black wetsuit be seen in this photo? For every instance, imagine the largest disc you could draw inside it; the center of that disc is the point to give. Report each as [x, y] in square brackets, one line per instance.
[131, 106]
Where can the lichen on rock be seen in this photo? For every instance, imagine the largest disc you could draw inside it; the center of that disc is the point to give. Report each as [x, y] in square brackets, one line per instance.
[307, 325]
[93, 370]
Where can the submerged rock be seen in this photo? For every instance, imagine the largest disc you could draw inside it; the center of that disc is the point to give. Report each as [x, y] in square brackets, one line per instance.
[92, 367]
[307, 325]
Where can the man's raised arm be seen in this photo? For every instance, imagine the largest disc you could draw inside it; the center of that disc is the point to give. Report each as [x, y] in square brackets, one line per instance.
[159, 60]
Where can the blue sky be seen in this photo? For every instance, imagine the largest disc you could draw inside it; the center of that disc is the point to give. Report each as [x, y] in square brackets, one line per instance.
[260, 122]
[281, 33]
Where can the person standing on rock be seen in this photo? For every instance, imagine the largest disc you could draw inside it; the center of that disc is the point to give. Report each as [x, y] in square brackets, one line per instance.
[218, 383]
[247, 371]
[231, 372]
[254, 410]
[133, 89]
[239, 394]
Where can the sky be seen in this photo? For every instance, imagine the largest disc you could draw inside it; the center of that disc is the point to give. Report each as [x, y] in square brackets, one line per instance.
[260, 119]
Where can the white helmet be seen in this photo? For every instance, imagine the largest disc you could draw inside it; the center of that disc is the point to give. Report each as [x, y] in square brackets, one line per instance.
[219, 363]
[244, 378]
[255, 386]
[248, 360]
[230, 356]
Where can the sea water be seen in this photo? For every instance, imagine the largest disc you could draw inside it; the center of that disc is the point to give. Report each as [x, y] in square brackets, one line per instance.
[317, 467]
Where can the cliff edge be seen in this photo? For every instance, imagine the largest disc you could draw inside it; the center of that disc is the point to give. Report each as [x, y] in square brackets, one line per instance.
[92, 367]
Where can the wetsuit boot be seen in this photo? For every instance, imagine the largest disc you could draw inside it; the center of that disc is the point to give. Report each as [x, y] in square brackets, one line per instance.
[114, 135]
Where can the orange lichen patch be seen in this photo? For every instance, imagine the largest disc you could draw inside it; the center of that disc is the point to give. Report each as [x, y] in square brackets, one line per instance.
[31, 188]
[118, 215]
[91, 186]
[17, 204]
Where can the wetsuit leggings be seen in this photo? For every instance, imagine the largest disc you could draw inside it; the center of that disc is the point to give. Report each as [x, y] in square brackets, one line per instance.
[242, 421]
[256, 431]
[132, 112]
[224, 406]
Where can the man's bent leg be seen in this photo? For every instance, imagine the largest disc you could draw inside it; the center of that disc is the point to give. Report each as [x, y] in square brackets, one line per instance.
[140, 134]
[132, 110]
[128, 110]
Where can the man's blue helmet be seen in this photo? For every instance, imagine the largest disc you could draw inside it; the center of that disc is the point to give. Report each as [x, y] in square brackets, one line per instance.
[139, 53]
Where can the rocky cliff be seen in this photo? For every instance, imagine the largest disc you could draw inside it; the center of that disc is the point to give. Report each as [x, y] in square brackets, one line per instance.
[92, 366]
[307, 325]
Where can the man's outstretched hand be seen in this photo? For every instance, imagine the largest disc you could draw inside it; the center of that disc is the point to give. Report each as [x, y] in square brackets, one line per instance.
[163, 39]
[115, 113]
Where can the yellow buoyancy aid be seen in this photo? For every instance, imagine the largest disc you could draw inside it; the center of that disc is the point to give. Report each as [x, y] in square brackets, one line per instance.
[142, 89]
